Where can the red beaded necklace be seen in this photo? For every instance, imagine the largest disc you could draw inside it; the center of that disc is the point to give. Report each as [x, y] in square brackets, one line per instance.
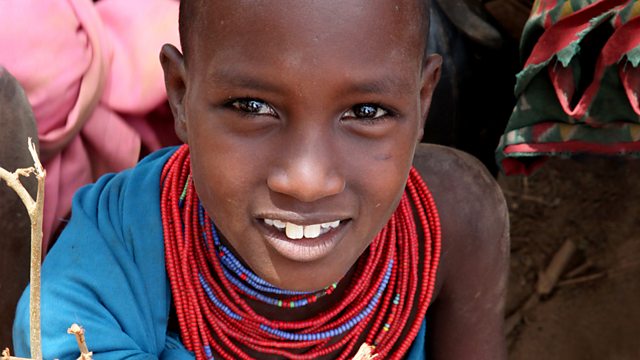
[387, 297]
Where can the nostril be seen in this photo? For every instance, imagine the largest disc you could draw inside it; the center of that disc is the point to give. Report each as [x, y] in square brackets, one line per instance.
[306, 186]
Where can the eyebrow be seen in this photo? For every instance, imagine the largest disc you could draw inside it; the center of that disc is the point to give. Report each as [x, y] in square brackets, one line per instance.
[243, 80]
[378, 86]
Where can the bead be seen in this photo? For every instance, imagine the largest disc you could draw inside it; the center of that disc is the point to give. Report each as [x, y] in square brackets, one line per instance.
[209, 285]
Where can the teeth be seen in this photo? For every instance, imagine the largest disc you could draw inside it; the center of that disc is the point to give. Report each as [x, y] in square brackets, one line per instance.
[295, 232]
[330, 225]
[312, 231]
[279, 224]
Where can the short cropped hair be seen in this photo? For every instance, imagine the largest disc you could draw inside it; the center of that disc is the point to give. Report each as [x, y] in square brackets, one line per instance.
[189, 15]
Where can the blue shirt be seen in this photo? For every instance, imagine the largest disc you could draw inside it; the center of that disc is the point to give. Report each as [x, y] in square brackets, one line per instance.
[106, 272]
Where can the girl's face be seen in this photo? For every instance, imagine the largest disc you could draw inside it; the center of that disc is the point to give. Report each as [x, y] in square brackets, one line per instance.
[302, 118]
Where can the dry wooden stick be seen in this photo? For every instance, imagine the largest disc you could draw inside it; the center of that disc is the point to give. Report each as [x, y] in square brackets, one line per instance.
[610, 273]
[34, 208]
[582, 279]
[365, 353]
[547, 281]
[532, 198]
[516, 317]
[580, 269]
[76, 330]
[6, 355]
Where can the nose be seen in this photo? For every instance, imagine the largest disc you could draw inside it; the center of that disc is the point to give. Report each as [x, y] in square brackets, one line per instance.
[307, 169]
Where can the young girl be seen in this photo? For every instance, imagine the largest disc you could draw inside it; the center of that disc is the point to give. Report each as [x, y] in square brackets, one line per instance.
[291, 224]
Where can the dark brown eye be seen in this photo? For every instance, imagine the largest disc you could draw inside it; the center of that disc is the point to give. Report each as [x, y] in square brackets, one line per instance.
[365, 111]
[252, 106]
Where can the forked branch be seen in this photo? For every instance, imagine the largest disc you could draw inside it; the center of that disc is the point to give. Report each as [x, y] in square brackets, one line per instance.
[34, 208]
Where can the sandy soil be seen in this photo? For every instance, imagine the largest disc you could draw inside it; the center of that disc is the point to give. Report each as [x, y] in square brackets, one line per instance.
[595, 203]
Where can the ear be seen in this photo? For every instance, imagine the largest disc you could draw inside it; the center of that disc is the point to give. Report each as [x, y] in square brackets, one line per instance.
[175, 81]
[429, 81]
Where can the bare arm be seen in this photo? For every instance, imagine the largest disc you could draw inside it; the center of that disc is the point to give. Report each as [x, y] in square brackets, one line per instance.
[466, 319]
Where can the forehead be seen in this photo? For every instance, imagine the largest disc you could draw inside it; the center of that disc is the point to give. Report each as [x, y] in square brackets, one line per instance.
[310, 32]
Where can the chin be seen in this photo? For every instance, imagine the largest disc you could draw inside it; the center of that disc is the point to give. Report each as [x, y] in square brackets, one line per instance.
[306, 277]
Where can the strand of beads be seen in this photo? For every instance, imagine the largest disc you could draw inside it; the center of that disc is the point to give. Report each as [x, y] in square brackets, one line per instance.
[385, 298]
[247, 281]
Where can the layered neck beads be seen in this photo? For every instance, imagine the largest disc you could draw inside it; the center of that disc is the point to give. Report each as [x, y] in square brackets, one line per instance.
[386, 298]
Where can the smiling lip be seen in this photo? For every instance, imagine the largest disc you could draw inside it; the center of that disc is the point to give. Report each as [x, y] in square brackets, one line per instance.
[304, 249]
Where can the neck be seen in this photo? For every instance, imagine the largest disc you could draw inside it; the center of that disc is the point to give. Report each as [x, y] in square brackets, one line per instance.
[275, 313]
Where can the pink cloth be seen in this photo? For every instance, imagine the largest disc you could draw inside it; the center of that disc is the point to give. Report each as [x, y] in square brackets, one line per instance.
[91, 73]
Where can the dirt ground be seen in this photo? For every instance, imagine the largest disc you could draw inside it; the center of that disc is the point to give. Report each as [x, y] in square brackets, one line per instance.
[593, 311]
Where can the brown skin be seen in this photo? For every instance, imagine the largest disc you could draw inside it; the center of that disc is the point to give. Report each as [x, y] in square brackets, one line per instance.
[466, 317]
[309, 161]
[17, 124]
[306, 152]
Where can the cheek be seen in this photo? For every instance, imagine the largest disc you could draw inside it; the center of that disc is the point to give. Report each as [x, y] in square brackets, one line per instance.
[381, 180]
[383, 201]
[219, 184]
[226, 201]
[219, 159]
[382, 168]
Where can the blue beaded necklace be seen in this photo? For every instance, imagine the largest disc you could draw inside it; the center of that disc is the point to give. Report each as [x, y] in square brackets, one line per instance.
[243, 278]
[247, 281]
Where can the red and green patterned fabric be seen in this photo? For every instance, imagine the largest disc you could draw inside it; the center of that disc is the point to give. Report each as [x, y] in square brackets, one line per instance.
[579, 90]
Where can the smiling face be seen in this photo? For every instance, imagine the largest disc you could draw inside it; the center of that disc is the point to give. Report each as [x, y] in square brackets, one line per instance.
[302, 118]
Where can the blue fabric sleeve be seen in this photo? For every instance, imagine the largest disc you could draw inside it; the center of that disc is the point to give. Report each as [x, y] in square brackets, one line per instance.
[106, 272]
[417, 351]
[175, 350]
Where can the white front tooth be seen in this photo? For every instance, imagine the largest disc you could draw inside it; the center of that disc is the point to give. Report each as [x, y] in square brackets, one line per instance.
[312, 231]
[279, 224]
[334, 224]
[294, 231]
[268, 222]
[325, 225]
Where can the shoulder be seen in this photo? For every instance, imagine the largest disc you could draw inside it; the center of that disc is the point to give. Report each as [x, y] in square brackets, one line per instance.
[466, 194]
[472, 209]
[459, 174]
[123, 208]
